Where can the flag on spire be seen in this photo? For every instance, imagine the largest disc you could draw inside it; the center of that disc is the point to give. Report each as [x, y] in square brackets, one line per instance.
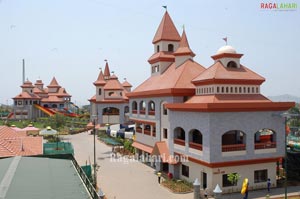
[225, 39]
[165, 7]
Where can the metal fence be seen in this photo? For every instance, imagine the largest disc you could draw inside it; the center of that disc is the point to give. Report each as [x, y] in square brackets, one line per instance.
[52, 148]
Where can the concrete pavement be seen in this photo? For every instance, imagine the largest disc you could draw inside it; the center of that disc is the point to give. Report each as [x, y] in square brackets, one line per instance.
[120, 178]
[124, 178]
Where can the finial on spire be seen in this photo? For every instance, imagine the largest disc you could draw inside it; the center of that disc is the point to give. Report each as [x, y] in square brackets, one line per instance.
[165, 7]
[105, 60]
[125, 78]
[100, 68]
[113, 72]
[183, 27]
[225, 39]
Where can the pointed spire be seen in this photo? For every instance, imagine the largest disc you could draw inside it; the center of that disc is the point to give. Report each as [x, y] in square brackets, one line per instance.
[106, 71]
[184, 47]
[53, 83]
[126, 83]
[166, 30]
[100, 80]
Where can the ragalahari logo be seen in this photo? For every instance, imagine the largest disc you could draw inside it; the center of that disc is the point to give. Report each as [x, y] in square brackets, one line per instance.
[284, 6]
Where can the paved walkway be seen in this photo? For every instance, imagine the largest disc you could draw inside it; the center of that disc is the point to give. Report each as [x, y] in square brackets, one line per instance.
[126, 179]
[120, 178]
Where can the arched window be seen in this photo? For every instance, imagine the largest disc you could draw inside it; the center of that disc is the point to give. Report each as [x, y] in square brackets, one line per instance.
[240, 90]
[126, 109]
[142, 107]
[179, 136]
[257, 90]
[231, 89]
[100, 91]
[151, 108]
[134, 107]
[170, 47]
[235, 89]
[233, 140]
[265, 138]
[252, 89]
[157, 48]
[231, 64]
[195, 139]
[110, 111]
[222, 91]
[54, 106]
[218, 89]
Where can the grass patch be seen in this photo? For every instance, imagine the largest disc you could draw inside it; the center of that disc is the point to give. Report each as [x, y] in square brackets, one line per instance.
[178, 186]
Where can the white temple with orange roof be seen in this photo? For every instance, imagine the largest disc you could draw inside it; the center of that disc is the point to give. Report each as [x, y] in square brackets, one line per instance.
[216, 118]
[34, 100]
[110, 103]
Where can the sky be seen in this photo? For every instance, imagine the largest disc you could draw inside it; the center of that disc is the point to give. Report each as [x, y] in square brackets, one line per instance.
[70, 39]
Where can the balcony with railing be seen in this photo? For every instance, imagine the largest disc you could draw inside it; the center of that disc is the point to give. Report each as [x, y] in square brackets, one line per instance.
[151, 113]
[139, 130]
[196, 146]
[179, 141]
[142, 112]
[233, 147]
[147, 132]
[134, 111]
[265, 145]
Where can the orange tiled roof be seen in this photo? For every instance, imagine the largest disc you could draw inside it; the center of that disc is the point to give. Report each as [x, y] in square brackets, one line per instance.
[53, 83]
[161, 149]
[230, 103]
[173, 78]
[227, 98]
[161, 56]
[166, 30]
[38, 91]
[218, 72]
[39, 82]
[184, 47]
[106, 70]
[126, 84]
[113, 84]
[16, 144]
[63, 93]
[27, 84]
[100, 80]
[26, 95]
[52, 98]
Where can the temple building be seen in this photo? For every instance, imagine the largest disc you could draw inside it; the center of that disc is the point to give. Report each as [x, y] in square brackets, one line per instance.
[215, 118]
[35, 100]
[110, 103]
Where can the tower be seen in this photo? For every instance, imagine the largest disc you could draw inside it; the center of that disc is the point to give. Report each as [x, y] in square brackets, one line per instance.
[99, 83]
[183, 52]
[166, 42]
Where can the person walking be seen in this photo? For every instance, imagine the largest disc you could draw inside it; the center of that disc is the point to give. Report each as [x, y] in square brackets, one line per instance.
[246, 192]
[269, 184]
[159, 176]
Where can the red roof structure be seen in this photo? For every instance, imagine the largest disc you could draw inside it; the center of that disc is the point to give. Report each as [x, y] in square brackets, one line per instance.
[218, 73]
[166, 30]
[184, 47]
[17, 144]
[174, 81]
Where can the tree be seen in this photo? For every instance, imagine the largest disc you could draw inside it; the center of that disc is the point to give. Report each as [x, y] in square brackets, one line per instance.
[233, 178]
